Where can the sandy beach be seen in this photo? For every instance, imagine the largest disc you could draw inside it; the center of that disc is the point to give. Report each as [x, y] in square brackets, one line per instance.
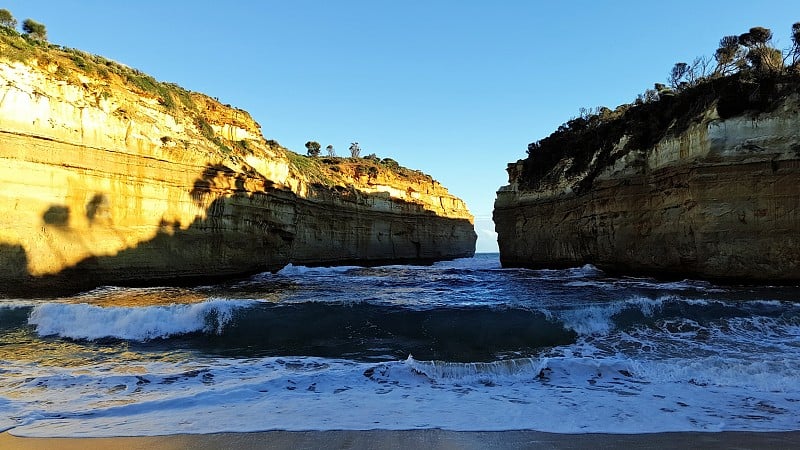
[432, 438]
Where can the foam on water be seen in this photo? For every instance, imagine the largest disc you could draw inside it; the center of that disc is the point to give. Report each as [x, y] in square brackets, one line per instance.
[597, 318]
[586, 271]
[84, 321]
[470, 264]
[565, 394]
[298, 271]
[641, 357]
[617, 284]
[16, 304]
[485, 372]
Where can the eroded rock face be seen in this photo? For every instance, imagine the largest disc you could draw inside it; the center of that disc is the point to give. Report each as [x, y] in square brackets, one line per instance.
[720, 200]
[101, 183]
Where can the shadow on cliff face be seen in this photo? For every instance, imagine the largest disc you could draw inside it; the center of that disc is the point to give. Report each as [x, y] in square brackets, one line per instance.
[221, 243]
[14, 261]
[56, 215]
[98, 209]
[248, 226]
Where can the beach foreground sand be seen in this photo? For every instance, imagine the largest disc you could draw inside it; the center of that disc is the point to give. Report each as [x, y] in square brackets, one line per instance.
[416, 439]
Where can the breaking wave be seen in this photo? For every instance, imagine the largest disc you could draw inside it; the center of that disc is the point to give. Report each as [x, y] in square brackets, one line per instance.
[91, 322]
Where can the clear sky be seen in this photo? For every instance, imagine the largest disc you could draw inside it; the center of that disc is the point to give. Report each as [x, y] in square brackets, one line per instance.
[455, 88]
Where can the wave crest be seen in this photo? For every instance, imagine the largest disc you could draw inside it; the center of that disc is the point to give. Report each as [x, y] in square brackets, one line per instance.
[478, 371]
[91, 322]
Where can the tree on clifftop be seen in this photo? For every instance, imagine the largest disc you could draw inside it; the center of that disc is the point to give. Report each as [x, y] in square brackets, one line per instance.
[677, 73]
[685, 75]
[355, 150]
[330, 150]
[757, 36]
[794, 53]
[34, 29]
[313, 148]
[765, 59]
[761, 56]
[7, 19]
[729, 55]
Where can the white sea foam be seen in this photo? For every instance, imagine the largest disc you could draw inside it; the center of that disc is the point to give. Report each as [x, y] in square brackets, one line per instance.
[561, 391]
[596, 319]
[590, 319]
[84, 321]
[585, 271]
[640, 364]
[524, 368]
[621, 284]
[293, 271]
[565, 394]
[481, 262]
[16, 303]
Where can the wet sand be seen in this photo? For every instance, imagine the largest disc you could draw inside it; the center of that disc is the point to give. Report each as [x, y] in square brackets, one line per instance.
[412, 439]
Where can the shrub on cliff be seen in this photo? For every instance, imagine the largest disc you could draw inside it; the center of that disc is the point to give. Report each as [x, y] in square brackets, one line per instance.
[390, 163]
[729, 56]
[34, 29]
[751, 50]
[765, 59]
[355, 150]
[685, 75]
[7, 19]
[312, 147]
[794, 53]
[760, 54]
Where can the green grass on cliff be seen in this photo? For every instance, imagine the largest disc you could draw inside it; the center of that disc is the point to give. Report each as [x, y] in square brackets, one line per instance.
[66, 63]
[69, 61]
[332, 171]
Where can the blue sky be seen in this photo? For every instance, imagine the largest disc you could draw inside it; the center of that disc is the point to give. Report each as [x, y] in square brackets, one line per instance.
[454, 88]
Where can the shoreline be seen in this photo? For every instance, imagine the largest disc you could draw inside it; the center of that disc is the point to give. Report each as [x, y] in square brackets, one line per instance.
[427, 438]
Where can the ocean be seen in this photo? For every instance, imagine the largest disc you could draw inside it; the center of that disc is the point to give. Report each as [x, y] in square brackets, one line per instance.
[458, 345]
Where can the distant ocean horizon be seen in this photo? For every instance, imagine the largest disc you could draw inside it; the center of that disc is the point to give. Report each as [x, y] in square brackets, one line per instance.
[457, 345]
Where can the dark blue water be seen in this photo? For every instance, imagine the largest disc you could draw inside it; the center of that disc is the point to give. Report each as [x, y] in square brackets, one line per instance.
[459, 345]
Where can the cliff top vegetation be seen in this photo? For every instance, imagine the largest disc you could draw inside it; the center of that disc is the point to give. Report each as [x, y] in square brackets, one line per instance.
[746, 75]
[333, 170]
[70, 65]
[32, 47]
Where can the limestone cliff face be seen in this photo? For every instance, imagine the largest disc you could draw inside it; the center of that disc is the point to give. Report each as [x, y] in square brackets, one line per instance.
[104, 182]
[719, 199]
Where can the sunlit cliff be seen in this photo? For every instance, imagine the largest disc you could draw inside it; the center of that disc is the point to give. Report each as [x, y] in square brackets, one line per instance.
[109, 176]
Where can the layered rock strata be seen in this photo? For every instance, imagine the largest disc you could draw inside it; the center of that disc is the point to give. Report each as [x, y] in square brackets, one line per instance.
[104, 182]
[718, 200]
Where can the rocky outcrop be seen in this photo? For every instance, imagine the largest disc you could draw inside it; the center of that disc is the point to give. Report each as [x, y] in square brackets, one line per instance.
[108, 177]
[717, 198]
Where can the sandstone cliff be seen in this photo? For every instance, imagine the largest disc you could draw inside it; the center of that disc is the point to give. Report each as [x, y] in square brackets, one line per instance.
[110, 177]
[702, 185]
